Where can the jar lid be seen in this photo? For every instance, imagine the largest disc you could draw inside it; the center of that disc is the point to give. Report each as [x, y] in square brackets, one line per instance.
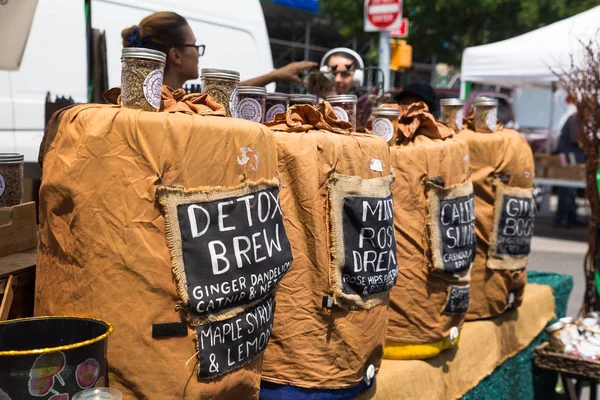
[302, 98]
[220, 73]
[558, 325]
[99, 394]
[146, 54]
[485, 101]
[567, 320]
[277, 96]
[452, 102]
[252, 90]
[392, 112]
[342, 98]
[11, 158]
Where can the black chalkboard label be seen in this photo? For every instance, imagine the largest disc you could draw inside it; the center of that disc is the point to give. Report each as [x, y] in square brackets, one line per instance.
[515, 226]
[458, 300]
[231, 343]
[457, 233]
[235, 250]
[370, 264]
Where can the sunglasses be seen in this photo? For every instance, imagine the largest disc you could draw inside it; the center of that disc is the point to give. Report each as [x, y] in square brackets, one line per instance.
[199, 48]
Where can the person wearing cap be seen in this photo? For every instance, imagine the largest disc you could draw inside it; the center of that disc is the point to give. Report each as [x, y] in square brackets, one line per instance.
[416, 92]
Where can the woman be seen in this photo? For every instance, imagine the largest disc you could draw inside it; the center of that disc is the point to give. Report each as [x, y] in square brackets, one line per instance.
[170, 33]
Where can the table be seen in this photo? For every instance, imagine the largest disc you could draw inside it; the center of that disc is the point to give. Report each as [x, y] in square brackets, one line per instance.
[547, 183]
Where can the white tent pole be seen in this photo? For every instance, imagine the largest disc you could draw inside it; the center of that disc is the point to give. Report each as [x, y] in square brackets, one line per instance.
[463, 89]
[551, 123]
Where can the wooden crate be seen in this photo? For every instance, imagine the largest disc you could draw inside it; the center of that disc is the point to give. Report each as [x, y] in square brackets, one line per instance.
[17, 284]
[18, 229]
[543, 162]
[569, 172]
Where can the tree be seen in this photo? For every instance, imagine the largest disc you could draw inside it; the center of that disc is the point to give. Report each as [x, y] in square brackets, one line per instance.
[446, 27]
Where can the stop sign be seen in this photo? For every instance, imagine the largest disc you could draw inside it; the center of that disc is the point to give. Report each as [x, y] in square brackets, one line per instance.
[382, 15]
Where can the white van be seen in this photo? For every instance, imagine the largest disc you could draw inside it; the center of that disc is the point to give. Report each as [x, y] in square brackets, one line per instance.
[55, 57]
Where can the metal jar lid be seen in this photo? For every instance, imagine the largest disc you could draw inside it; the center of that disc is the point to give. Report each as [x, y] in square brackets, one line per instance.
[102, 393]
[257, 90]
[146, 54]
[385, 111]
[342, 98]
[302, 98]
[11, 158]
[452, 102]
[220, 73]
[557, 326]
[485, 101]
[567, 320]
[277, 96]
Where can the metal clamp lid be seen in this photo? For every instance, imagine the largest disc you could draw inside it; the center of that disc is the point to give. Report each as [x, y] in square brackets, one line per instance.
[452, 102]
[342, 98]
[385, 111]
[143, 53]
[258, 90]
[219, 73]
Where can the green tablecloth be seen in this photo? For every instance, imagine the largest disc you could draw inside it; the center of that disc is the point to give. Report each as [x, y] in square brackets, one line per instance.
[518, 377]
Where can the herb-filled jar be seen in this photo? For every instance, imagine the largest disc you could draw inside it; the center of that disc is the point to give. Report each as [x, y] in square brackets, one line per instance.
[485, 114]
[221, 85]
[294, 99]
[276, 103]
[344, 106]
[251, 103]
[142, 72]
[385, 123]
[11, 179]
[452, 113]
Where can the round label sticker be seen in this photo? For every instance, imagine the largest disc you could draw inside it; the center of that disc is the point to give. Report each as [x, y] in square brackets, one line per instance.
[384, 128]
[459, 119]
[249, 109]
[2, 185]
[152, 87]
[491, 119]
[233, 100]
[340, 113]
[276, 109]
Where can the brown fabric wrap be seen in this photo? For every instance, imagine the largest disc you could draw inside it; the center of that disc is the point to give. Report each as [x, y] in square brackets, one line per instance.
[419, 297]
[502, 155]
[312, 346]
[103, 250]
[304, 117]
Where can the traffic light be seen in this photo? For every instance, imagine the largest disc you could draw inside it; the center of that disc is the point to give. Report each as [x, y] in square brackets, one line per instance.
[401, 55]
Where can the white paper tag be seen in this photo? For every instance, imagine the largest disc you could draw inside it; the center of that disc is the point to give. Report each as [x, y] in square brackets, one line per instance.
[491, 119]
[152, 87]
[384, 128]
[341, 113]
[376, 165]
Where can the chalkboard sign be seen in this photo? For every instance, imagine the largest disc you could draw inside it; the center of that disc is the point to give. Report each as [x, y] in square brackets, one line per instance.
[457, 233]
[458, 300]
[235, 249]
[231, 343]
[370, 264]
[515, 226]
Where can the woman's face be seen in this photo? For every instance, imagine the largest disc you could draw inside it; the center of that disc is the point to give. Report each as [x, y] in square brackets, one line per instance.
[343, 69]
[189, 56]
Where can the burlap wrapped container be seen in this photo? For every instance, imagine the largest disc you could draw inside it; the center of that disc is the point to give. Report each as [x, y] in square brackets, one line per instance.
[314, 344]
[429, 301]
[103, 247]
[503, 168]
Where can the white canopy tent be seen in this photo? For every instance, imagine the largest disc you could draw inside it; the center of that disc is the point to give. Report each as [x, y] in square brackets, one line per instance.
[15, 22]
[529, 59]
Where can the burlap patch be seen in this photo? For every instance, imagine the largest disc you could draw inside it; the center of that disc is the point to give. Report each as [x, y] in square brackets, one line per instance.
[457, 265]
[510, 242]
[344, 191]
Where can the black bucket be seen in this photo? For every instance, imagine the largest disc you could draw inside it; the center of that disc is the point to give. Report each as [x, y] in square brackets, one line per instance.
[52, 358]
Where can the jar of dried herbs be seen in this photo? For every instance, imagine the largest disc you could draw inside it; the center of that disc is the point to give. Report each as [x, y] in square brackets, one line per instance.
[485, 114]
[294, 99]
[344, 106]
[452, 113]
[276, 103]
[385, 123]
[142, 72]
[11, 179]
[251, 103]
[221, 85]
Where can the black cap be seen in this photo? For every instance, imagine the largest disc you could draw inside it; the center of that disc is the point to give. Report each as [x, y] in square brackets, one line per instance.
[422, 90]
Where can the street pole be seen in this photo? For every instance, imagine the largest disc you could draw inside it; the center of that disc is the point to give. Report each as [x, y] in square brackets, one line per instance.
[384, 58]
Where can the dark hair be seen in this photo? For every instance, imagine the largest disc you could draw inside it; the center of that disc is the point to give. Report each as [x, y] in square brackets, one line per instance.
[348, 56]
[159, 31]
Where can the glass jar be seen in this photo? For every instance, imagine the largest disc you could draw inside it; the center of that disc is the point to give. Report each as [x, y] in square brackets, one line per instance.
[102, 393]
[11, 179]
[276, 103]
[344, 106]
[251, 103]
[221, 85]
[485, 114]
[294, 99]
[385, 123]
[452, 113]
[142, 72]
[554, 337]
